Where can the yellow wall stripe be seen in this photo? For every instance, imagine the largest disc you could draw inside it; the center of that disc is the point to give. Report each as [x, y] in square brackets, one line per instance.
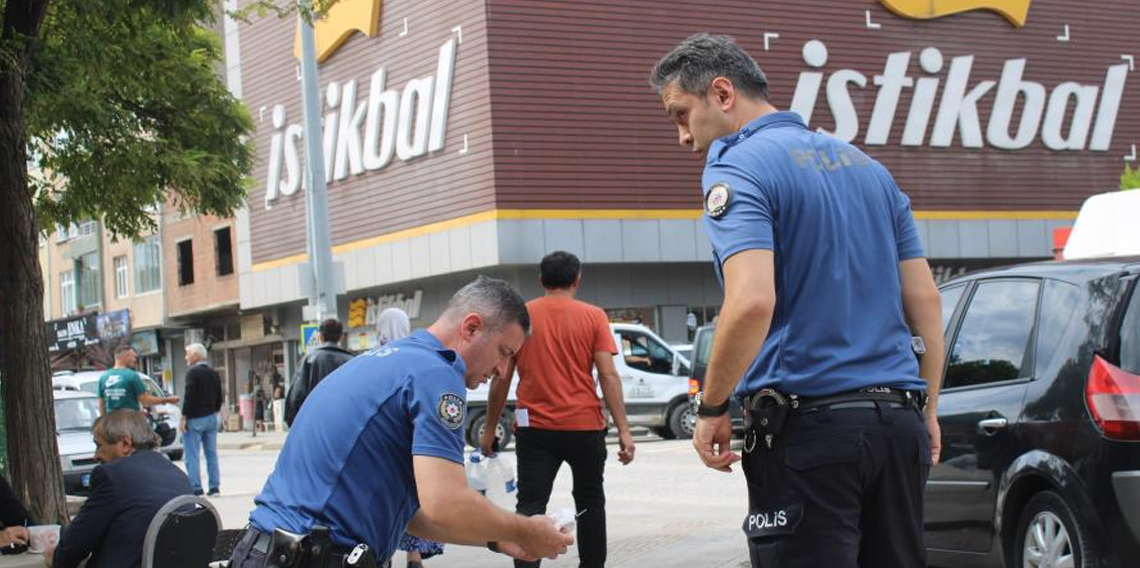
[636, 214]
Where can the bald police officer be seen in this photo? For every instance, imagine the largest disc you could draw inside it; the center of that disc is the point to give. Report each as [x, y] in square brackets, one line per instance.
[377, 448]
[822, 271]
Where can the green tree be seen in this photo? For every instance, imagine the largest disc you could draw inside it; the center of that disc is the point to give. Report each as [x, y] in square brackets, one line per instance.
[117, 105]
[1130, 179]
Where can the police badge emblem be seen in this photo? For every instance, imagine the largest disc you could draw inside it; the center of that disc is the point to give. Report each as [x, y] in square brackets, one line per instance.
[717, 200]
[451, 410]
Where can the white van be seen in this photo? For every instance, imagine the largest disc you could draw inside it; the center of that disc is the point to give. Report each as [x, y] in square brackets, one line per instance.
[655, 385]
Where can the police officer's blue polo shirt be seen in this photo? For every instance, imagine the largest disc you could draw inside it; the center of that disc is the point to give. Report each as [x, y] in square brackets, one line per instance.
[347, 463]
[838, 226]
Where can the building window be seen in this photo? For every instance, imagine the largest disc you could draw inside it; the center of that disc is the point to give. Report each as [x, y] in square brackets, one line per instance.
[223, 246]
[148, 265]
[186, 263]
[90, 283]
[121, 275]
[67, 291]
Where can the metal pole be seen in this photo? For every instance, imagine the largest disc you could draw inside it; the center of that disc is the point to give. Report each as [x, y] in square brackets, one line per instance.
[316, 195]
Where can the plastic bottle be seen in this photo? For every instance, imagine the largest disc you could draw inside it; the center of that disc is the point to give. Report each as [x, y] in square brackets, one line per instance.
[500, 479]
[476, 469]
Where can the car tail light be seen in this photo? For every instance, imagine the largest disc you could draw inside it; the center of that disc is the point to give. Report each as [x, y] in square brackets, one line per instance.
[694, 387]
[1113, 395]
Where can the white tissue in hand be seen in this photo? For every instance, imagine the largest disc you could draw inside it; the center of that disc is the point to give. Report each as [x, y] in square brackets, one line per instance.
[565, 519]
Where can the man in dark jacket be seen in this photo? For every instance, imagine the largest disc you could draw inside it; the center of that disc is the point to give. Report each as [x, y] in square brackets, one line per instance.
[315, 366]
[127, 491]
[199, 425]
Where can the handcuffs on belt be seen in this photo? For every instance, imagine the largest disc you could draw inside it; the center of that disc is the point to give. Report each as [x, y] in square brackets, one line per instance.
[313, 550]
[763, 420]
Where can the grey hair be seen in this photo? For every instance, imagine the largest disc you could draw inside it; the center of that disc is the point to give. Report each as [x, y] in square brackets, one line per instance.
[495, 300]
[129, 424]
[197, 349]
[701, 58]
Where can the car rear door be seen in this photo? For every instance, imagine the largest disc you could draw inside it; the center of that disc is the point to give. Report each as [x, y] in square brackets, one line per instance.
[989, 364]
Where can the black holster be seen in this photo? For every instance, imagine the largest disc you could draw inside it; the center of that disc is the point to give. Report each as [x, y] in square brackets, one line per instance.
[767, 410]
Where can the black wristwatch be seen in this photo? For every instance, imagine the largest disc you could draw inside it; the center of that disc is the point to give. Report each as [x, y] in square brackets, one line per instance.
[710, 411]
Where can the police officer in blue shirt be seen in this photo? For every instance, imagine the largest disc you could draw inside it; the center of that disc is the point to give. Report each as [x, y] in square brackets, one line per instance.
[823, 272]
[377, 449]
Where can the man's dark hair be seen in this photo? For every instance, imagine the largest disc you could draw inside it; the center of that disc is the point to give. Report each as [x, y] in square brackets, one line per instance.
[120, 350]
[495, 300]
[331, 330]
[559, 269]
[701, 58]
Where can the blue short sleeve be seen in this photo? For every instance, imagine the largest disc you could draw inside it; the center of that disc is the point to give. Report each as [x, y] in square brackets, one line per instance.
[746, 223]
[437, 403]
[906, 234]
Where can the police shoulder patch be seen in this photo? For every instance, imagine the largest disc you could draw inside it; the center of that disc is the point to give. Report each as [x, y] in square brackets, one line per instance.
[717, 199]
[451, 410]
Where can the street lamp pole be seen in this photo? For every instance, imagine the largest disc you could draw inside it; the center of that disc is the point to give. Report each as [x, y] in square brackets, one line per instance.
[322, 295]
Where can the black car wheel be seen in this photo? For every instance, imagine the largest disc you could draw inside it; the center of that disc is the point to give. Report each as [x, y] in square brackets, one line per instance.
[682, 420]
[502, 431]
[1050, 536]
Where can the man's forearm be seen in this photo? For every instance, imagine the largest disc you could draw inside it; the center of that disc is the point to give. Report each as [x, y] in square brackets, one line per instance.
[497, 398]
[615, 399]
[458, 523]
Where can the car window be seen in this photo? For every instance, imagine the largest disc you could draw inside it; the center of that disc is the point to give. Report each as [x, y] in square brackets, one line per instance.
[76, 414]
[90, 386]
[950, 298]
[641, 351]
[993, 341]
[703, 348]
[1130, 335]
[152, 387]
[1058, 311]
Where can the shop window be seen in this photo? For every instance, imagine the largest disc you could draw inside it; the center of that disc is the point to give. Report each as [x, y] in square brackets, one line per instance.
[186, 263]
[643, 352]
[223, 248]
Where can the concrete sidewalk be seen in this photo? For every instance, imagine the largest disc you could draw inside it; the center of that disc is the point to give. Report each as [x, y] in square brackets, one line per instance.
[247, 441]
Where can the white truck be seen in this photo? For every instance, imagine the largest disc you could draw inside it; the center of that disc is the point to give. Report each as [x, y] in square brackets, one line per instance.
[655, 386]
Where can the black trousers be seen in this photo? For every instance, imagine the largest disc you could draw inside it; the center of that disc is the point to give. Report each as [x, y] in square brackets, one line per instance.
[841, 488]
[540, 454]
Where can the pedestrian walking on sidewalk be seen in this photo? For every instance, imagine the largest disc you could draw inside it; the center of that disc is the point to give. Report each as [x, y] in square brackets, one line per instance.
[823, 271]
[199, 424]
[558, 414]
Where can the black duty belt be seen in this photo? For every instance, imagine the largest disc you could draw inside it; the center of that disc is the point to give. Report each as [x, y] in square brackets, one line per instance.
[767, 409]
[315, 550]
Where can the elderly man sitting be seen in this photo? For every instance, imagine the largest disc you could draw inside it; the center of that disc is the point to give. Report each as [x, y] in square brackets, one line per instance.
[127, 491]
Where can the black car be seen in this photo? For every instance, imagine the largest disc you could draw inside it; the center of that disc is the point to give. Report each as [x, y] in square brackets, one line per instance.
[702, 348]
[1040, 416]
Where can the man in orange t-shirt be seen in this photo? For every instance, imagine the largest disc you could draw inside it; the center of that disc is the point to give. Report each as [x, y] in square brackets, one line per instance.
[558, 415]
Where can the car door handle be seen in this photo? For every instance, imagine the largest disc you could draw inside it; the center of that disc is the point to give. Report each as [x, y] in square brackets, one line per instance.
[990, 426]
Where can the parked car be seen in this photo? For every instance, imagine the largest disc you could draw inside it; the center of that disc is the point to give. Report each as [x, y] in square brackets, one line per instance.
[75, 413]
[1040, 416]
[88, 381]
[702, 348]
[654, 385]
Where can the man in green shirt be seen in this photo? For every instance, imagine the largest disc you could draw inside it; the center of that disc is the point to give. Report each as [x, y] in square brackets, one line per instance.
[121, 386]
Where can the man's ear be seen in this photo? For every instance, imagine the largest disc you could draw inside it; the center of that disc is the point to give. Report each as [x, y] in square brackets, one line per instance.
[723, 93]
[472, 323]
